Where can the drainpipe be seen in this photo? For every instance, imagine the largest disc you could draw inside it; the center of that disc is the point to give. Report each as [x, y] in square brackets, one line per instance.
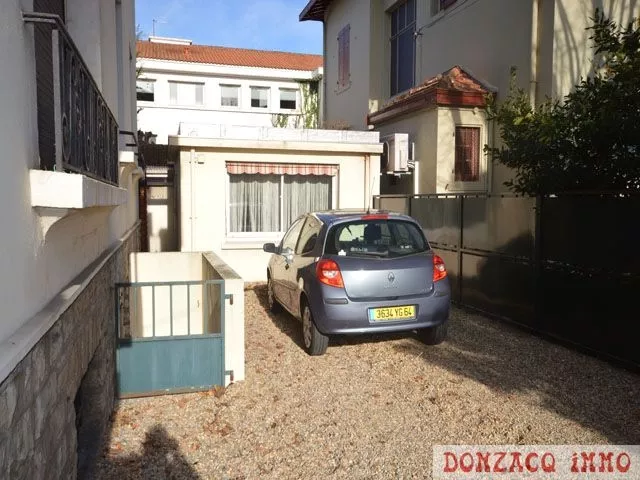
[323, 101]
[191, 214]
[367, 191]
[536, 10]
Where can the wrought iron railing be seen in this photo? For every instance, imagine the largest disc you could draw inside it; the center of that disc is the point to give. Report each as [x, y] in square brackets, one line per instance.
[86, 131]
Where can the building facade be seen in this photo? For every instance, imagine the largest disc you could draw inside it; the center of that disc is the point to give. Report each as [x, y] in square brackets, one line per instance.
[381, 53]
[67, 91]
[181, 86]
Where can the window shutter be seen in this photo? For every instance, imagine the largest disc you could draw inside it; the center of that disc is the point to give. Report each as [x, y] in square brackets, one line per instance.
[341, 58]
[347, 54]
[467, 159]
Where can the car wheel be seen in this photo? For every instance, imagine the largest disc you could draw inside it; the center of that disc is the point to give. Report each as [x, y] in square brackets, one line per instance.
[315, 343]
[274, 306]
[434, 335]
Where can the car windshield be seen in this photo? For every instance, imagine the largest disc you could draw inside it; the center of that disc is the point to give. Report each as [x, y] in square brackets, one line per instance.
[376, 238]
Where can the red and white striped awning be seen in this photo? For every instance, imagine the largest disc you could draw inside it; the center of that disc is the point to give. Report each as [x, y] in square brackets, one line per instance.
[265, 168]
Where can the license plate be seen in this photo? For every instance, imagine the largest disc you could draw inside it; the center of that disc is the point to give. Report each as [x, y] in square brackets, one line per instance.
[404, 312]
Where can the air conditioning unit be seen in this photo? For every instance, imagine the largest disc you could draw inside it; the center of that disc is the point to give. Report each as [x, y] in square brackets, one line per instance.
[395, 154]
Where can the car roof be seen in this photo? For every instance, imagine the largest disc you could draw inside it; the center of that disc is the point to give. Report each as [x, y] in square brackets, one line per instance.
[332, 216]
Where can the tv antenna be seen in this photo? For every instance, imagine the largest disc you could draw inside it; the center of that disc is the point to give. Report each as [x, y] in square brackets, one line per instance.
[153, 27]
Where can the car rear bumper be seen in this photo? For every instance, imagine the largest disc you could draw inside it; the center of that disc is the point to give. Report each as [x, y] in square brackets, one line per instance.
[352, 317]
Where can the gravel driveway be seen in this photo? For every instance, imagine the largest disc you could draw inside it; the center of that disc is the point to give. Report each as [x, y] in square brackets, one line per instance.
[372, 407]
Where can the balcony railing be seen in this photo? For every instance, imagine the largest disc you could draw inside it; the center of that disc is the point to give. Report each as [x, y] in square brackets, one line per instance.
[85, 135]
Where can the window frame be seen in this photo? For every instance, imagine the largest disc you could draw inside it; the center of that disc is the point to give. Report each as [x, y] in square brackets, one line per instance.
[394, 53]
[478, 178]
[286, 89]
[276, 237]
[238, 96]
[259, 87]
[439, 7]
[195, 94]
[152, 82]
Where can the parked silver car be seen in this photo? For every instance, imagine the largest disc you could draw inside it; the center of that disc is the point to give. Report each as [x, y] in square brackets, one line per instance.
[354, 272]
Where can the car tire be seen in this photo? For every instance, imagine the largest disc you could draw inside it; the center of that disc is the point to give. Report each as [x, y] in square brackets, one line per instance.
[274, 306]
[315, 343]
[434, 335]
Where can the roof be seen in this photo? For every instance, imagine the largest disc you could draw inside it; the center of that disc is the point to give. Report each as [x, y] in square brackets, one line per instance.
[314, 10]
[228, 56]
[454, 88]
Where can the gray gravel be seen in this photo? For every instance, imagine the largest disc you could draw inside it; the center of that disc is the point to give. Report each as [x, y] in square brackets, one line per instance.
[372, 407]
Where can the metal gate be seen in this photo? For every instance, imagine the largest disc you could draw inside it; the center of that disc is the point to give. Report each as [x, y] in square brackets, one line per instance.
[170, 337]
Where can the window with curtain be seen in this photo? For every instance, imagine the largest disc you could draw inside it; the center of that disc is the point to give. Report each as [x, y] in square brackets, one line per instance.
[288, 99]
[182, 93]
[269, 203]
[229, 95]
[260, 97]
[467, 161]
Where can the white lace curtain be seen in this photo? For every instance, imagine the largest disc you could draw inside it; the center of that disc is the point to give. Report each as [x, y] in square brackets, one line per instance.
[255, 200]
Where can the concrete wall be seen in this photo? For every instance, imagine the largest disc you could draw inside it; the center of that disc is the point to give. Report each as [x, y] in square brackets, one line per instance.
[203, 197]
[183, 305]
[38, 435]
[189, 266]
[572, 53]
[37, 262]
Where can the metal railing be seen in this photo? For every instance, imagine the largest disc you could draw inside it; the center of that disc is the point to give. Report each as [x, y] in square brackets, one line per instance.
[86, 131]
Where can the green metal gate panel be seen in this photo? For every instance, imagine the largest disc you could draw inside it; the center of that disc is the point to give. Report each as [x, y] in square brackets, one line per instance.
[162, 361]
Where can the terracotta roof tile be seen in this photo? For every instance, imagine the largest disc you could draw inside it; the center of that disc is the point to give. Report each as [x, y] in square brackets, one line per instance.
[454, 79]
[455, 87]
[228, 56]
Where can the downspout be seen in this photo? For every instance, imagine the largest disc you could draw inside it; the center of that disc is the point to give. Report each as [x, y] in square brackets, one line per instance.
[535, 50]
[323, 102]
[191, 213]
[367, 191]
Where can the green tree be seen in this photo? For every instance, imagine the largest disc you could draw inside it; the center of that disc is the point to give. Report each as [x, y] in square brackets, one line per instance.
[589, 141]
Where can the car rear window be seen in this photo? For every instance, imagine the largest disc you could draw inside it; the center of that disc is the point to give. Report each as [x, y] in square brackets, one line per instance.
[380, 238]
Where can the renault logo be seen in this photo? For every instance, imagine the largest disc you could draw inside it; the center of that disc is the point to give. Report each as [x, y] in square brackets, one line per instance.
[391, 277]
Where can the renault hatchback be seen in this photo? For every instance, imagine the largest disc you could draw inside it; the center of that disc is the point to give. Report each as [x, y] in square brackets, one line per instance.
[346, 272]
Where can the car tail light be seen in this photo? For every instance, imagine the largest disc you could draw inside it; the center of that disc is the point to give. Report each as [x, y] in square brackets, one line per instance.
[375, 216]
[328, 272]
[439, 270]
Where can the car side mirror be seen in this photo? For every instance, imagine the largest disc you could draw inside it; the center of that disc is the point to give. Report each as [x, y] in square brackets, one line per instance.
[269, 247]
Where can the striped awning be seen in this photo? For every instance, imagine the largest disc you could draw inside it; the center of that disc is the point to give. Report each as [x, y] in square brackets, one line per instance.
[265, 168]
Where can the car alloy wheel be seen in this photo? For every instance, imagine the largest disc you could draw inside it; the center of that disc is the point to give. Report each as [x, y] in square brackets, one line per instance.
[315, 343]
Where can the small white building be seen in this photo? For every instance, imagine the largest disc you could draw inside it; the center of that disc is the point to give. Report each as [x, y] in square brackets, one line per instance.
[240, 187]
[181, 83]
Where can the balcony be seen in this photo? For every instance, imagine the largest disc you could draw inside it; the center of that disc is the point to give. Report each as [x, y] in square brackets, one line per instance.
[78, 133]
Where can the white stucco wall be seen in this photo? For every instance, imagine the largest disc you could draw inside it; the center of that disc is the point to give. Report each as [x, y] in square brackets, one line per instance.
[204, 184]
[38, 258]
[348, 105]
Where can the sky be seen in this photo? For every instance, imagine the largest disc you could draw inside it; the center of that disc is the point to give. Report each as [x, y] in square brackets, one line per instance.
[255, 24]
